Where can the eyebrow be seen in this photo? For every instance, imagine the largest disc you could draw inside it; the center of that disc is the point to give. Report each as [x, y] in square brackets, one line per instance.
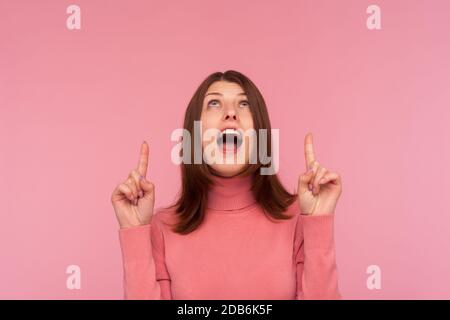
[239, 94]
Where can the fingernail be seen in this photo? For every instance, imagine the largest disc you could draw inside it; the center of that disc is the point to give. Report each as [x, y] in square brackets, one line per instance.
[141, 194]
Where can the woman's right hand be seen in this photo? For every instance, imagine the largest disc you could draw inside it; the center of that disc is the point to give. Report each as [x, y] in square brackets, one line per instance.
[134, 199]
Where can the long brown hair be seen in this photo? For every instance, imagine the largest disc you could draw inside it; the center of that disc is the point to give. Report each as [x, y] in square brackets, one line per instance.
[196, 178]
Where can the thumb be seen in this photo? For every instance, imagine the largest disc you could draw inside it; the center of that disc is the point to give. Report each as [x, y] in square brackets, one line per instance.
[304, 180]
[148, 187]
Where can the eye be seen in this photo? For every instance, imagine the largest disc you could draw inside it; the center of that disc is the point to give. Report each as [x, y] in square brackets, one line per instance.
[245, 103]
[213, 103]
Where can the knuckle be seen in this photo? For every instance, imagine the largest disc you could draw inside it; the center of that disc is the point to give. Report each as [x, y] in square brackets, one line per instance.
[131, 175]
[125, 189]
[130, 185]
[118, 189]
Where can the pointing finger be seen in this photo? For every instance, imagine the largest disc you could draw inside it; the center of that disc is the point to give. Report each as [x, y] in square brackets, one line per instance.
[309, 151]
[143, 159]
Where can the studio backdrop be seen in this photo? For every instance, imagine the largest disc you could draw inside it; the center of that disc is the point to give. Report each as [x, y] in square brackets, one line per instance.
[83, 83]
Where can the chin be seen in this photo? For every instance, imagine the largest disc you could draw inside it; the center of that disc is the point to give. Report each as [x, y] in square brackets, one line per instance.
[227, 170]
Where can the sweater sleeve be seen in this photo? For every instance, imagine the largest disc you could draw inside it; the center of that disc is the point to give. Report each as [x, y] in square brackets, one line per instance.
[314, 252]
[145, 273]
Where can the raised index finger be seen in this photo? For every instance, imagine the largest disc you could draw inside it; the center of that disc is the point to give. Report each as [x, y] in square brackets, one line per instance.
[309, 150]
[143, 159]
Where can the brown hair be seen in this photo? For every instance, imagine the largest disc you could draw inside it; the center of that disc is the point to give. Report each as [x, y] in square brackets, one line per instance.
[196, 178]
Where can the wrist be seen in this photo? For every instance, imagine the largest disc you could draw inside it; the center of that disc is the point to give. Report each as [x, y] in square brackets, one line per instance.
[322, 213]
[130, 226]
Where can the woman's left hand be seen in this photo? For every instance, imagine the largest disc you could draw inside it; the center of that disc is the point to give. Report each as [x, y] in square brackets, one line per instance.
[318, 188]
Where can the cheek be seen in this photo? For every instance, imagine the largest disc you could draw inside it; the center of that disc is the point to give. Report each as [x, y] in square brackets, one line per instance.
[248, 125]
[210, 120]
[207, 129]
[205, 122]
[247, 120]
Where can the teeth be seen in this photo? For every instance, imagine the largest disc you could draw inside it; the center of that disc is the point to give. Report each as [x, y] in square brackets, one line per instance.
[231, 132]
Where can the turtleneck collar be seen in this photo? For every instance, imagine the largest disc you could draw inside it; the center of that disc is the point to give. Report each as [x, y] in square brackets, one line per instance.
[230, 194]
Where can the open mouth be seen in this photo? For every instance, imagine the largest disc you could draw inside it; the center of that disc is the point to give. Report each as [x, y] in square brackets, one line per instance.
[229, 140]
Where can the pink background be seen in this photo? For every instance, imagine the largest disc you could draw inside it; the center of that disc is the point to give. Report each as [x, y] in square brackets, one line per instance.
[76, 104]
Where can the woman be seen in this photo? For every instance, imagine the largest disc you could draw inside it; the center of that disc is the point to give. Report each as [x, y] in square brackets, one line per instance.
[233, 233]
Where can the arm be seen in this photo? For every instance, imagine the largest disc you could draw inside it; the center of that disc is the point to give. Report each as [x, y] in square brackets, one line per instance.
[145, 273]
[317, 276]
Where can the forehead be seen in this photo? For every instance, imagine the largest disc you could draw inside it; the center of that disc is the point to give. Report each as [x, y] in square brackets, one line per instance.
[225, 87]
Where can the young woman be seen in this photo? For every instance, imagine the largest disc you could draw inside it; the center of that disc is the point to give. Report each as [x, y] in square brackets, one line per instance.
[233, 233]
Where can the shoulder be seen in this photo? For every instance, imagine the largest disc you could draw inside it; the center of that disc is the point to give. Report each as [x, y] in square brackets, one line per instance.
[293, 210]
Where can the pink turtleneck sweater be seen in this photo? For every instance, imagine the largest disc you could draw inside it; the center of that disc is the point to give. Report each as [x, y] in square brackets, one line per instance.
[236, 253]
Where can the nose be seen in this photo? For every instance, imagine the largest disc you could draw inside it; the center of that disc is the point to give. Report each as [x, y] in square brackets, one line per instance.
[230, 114]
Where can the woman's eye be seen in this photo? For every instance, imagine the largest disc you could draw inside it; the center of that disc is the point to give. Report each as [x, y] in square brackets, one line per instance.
[213, 103]
[245, 103]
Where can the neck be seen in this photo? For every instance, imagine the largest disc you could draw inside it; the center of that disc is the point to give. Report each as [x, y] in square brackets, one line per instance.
[231, 194]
